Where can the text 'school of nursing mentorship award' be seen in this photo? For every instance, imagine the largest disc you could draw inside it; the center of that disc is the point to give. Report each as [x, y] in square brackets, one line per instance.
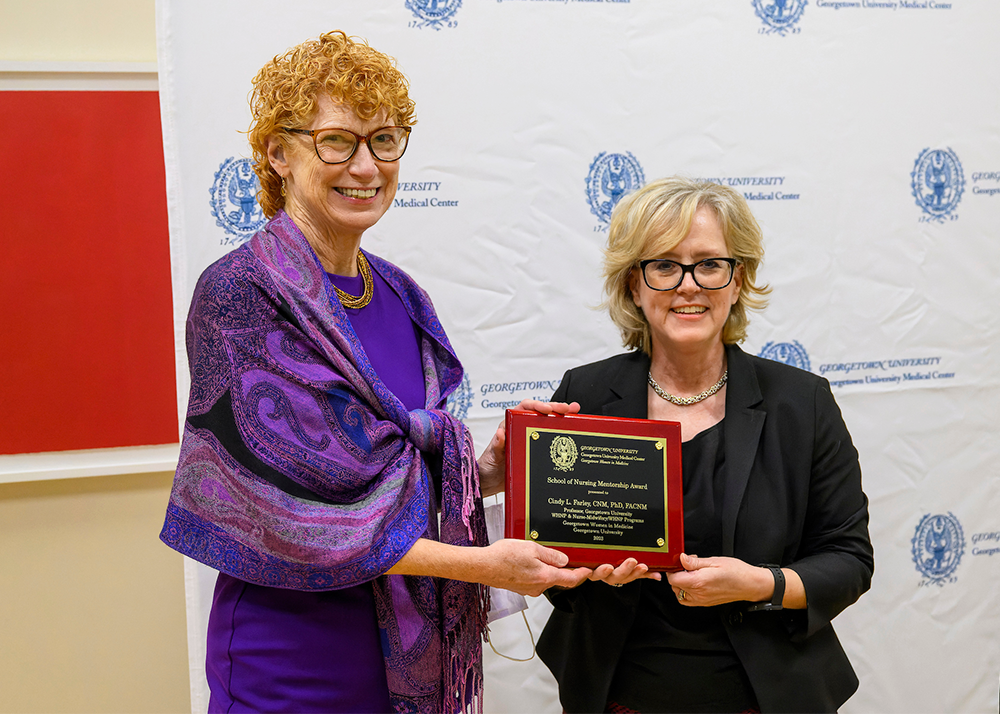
[599, 489]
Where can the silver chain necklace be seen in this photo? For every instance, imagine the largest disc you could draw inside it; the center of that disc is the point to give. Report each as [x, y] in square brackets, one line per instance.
[688, 401]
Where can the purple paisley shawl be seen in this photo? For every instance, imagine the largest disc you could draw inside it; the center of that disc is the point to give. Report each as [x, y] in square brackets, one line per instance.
[300, 469]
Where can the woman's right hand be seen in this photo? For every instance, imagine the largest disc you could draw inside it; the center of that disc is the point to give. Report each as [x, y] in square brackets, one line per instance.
[521, 566]
[628, 571]
[529, 568]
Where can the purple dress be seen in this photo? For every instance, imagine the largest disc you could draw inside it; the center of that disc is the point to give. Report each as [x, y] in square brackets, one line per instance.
[305, 475]
[279, 650]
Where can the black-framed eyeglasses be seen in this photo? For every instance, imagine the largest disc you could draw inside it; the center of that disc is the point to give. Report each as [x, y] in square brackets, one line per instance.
[708, 274]
[336, 146]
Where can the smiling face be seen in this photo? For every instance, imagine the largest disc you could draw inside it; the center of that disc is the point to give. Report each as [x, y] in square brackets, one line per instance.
[688, 317]
[334, 203]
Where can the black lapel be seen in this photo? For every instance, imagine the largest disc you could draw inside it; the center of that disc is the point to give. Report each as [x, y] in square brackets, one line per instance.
[628, 383]
[743, 426]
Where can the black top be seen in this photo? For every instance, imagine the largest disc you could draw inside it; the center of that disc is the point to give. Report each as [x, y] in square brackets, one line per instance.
[672, 650]
[660, 619]
[792, 497]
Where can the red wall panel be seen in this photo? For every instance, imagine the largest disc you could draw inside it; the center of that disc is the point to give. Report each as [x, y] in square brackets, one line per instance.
[86, 336]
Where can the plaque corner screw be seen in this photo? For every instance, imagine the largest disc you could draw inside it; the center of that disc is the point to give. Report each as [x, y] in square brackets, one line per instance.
[534, 435]
[659, 446]
[660, 542]
[534, 535]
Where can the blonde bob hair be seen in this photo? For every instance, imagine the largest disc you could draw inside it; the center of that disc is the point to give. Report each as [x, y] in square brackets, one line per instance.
[286, 92]
[653, 221]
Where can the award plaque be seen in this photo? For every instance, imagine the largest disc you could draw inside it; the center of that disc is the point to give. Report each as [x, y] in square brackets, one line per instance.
[599, 489]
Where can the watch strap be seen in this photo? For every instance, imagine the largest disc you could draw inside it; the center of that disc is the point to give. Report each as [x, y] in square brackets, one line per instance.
[779, 591]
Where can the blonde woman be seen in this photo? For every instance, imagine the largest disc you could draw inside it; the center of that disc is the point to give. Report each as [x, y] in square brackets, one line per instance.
[775, 519]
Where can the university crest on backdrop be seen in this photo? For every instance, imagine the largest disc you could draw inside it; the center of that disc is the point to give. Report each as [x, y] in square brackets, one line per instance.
[779, 16]
[937, 183]
[791, 353]
[434, 13]
[610, 177]
[938, 546]
[234, 201]
[460, 400]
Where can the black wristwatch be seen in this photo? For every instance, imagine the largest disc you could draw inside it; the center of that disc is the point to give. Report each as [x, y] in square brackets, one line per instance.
[779, 591]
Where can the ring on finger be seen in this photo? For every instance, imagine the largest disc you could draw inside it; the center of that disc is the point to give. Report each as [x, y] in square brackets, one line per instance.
[616, 585]
[681, 594]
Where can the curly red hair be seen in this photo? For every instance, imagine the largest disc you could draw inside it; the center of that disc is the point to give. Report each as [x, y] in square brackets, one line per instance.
[286, 91]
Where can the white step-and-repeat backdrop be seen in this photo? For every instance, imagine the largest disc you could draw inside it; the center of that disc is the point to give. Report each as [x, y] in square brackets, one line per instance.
[864, 134]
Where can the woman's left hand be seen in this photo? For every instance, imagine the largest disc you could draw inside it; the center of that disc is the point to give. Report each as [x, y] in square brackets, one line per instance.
[493, 463]
[716, 581]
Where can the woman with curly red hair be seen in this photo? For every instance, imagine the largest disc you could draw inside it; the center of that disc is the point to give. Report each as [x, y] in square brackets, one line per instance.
[317, 453]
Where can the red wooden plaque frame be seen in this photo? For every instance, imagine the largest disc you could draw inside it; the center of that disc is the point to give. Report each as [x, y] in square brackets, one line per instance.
[520, 425]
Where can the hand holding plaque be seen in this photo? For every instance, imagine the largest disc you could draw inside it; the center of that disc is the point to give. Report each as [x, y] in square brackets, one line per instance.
[600, 489]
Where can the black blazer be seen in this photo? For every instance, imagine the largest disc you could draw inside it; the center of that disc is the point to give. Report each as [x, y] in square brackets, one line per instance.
[793, 497]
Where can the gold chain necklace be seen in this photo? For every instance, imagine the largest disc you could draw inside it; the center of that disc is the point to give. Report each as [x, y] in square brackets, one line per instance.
[687, 401]
[356, 302]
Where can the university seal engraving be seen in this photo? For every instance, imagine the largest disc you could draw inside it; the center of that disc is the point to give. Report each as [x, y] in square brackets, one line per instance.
[563, 453]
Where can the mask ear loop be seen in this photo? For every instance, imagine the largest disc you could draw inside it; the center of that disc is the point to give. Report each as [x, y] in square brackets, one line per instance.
[530, 634]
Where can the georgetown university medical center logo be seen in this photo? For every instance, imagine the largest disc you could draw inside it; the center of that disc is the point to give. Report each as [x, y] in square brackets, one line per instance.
[611, 176]
[433, 13]
[937, 182]
[938, 546]
[563, 453]
[234, 200]
[779, 16]
[460, 400]
[787, 353]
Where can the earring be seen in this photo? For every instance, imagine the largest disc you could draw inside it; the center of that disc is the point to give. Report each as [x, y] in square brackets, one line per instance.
[282, 186]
